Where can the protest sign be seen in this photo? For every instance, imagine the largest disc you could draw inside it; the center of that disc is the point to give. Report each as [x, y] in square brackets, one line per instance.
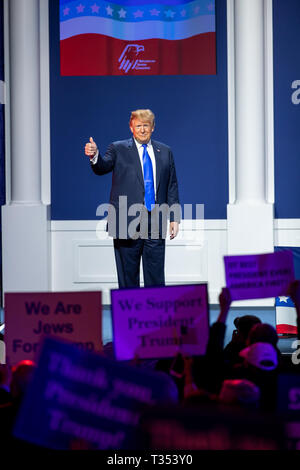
[75, 316]
[259, 276]
[157, 322]
[81, 400]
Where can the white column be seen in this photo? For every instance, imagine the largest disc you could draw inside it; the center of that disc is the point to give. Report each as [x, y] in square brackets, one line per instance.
[249, 214]
[250, 208]
[249, 103]
[25, 238]
[25, 102]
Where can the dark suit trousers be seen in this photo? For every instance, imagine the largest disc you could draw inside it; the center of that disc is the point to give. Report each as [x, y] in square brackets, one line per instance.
[128, 255]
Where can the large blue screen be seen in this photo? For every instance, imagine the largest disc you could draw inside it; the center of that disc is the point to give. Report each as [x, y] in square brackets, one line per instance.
[286, 18]
[191, 117]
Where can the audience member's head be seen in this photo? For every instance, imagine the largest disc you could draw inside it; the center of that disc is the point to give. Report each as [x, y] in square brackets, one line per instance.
[262, 356]
[239, 392]
[262, 333]
[260, 366]
[244, 324]
[21, 377]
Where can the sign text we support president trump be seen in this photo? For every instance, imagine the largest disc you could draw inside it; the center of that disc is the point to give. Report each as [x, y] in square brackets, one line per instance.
[156, 322]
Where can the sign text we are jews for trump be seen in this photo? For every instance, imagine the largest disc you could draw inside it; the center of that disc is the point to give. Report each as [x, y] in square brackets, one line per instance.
[74, 316]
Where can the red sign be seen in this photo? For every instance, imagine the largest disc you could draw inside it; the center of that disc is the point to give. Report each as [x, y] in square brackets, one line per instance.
[29, 317]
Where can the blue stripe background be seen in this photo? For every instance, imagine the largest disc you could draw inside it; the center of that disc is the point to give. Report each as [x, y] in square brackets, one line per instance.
[286, 34]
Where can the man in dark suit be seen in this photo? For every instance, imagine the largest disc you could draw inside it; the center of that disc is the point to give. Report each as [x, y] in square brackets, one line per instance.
[144, 194]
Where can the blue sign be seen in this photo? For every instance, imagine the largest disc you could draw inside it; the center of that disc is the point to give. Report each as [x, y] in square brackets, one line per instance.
[82, 400]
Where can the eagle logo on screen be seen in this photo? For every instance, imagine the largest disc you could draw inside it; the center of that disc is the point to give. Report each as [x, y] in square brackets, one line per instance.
[129, 58]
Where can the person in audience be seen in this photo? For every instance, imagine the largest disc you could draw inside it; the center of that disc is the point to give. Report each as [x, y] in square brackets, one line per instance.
[262, 333]
[217, 364]
[265, 333]
[239, 337]
[260, 366]
[5, 395]
[20, 379]
[241, 392]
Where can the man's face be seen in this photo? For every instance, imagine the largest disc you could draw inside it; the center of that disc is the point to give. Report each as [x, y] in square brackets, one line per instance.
[142, 130]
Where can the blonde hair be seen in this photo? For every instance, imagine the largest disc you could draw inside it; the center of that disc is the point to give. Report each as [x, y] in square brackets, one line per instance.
[143, 115]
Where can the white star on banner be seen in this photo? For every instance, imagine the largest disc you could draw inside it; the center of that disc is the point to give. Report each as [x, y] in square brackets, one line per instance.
[154, 12]
[138, 14]
[170, 13]
[210, 6]
[196, 10]
[80, 8]
[122, 13]
[109, 10]
[95, 8]
[284, 299]
[66, 11]
[183, 12]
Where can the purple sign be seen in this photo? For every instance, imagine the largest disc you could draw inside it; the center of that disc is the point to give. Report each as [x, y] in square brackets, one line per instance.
[157, 322]
[259, 276]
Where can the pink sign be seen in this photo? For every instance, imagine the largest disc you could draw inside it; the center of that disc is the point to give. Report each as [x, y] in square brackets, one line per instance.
[259, 276]
[29, 317]
[157, 322]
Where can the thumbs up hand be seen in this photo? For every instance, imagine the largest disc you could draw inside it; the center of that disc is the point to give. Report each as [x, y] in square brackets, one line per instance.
[91, 148]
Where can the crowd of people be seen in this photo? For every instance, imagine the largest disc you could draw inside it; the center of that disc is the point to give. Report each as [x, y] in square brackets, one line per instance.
[243, 374]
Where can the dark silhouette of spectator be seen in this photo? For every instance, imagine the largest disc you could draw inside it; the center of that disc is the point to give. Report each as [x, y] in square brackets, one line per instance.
[239, 337]
[5, 395]
[20, 379]
[262, 333]
[260, 366]
[220, 364]
[240, 392]
[265, 333]
[219, 361]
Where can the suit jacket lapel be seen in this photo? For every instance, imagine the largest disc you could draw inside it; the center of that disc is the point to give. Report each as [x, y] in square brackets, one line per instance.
[133, 151]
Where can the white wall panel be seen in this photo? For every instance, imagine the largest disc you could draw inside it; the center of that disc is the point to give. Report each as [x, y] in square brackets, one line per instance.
[83, 257]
